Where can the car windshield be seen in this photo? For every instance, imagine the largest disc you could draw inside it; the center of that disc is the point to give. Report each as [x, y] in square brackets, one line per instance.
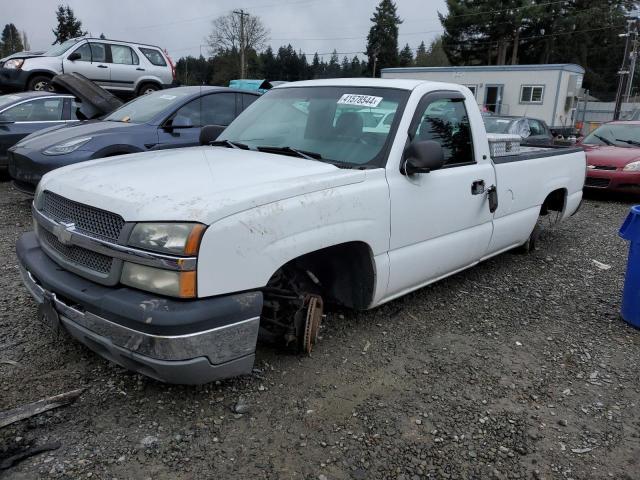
[7, 99]
[63, 47]
[620, 135]
[146, 107]
[336, 124]
[497, 124]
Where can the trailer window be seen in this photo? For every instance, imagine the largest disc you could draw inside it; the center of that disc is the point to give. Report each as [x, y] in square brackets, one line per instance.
[531, 93]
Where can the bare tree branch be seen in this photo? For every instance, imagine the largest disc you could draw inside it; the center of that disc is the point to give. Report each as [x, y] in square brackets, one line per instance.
[225, 34]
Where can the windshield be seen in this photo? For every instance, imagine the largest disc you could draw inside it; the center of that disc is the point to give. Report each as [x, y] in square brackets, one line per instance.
[63, 47]
[619, 135]
[497, 125]
[7, 99]
[339, 124]
[145, 108]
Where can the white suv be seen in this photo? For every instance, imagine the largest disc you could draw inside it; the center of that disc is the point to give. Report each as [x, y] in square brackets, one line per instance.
[114, 65]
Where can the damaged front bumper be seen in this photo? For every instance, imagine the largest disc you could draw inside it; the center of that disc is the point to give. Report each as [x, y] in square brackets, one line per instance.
[174, 341]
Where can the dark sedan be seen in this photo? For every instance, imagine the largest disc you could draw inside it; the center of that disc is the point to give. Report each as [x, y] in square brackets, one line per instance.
[24, 113]
[532, 130]
[166, 119]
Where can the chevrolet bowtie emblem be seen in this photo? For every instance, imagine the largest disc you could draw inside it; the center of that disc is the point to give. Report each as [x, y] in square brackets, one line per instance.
[63, 232]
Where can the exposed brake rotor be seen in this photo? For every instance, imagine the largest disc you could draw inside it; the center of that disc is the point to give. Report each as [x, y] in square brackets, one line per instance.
[314, 308]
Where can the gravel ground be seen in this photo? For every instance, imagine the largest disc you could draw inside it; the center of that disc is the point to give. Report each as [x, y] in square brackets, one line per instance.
[517, 368]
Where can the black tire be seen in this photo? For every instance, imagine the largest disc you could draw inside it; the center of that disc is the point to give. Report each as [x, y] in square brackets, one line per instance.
[146, 88]
[532, 243]
[40, 83]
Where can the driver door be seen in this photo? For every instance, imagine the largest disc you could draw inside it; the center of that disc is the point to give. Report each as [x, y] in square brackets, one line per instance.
[440, 221]
[93, 63]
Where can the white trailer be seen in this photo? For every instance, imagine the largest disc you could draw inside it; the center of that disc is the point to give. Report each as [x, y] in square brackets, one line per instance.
[549, 92]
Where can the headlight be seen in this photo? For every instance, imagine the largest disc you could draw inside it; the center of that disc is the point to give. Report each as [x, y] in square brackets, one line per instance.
[171, 238]
[14, 63]
[163, 282]
[632, 167]
[67, 147]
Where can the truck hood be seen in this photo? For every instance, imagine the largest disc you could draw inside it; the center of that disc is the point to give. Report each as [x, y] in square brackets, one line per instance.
[200, 184]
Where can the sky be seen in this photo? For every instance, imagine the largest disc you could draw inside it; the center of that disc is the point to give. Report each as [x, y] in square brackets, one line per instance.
[182, 26]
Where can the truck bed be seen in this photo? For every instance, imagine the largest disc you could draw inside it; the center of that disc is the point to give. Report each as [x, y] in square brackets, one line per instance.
[534, 152]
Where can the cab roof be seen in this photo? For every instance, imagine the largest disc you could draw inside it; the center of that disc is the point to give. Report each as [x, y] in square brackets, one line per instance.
[402, 84]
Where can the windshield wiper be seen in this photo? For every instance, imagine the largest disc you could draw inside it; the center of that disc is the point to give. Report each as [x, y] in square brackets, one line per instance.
[292, 152]
[602, 139]
[229, 144]
[631, 142]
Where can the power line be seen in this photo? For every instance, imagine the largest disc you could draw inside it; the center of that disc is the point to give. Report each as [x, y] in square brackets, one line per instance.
[494, 42]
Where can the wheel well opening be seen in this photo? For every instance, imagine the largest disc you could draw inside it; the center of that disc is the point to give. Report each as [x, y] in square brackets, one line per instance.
[39, 74]
[555, 202]
[343, 273]
[148, 82]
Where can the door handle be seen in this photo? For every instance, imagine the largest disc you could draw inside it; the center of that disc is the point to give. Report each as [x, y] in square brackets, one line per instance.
[140, 69]
[492, 194]
[102, 66]
[477, 187]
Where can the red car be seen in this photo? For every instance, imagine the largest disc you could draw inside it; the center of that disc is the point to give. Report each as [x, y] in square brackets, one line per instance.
[613, 157]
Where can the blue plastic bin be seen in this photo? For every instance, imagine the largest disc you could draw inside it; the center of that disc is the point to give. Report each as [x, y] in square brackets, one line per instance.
[630, 230]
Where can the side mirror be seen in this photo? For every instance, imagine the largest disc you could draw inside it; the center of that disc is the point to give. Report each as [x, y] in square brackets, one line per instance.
[180, 121]
[422, 157]
[74, 56]
[210, 133]
[5, 121]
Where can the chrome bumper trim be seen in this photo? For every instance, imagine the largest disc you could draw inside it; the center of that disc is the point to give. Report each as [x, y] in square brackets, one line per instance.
[128, 254]
[219, 345]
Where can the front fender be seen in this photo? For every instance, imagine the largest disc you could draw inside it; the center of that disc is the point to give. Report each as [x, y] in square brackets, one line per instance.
[242, 251]
[118, 149]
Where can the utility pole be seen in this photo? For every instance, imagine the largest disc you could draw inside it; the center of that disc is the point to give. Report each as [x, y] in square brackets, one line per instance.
[632, 60]
[242, 14]
[624, 69]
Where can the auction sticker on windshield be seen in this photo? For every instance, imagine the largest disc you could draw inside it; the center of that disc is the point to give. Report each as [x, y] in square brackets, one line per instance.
[360, 100]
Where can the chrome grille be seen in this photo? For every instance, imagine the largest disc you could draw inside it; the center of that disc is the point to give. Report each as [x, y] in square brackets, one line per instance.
[90, 220]
[78, 255]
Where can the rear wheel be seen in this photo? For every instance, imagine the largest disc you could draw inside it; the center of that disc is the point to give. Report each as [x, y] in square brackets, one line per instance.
[40, 83]
[147, 88]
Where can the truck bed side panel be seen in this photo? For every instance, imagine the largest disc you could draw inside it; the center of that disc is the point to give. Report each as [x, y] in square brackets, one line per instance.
[524, 182]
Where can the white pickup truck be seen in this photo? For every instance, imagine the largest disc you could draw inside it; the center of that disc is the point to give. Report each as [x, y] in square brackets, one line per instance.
[345, 191]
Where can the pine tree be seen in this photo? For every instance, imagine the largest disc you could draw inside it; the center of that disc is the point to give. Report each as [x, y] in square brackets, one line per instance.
[345, 67]
[11, 40]
[333, 69]
[421, 55]
[68, 25]
[489, 32]
[382, 41]
[356, 67]
[434, 57]
[405, 59]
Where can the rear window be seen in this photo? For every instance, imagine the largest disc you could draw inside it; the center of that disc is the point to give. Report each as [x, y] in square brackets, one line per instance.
[154, 56]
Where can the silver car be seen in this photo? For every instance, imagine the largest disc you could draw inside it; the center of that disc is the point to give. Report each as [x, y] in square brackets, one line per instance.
[118, 66]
